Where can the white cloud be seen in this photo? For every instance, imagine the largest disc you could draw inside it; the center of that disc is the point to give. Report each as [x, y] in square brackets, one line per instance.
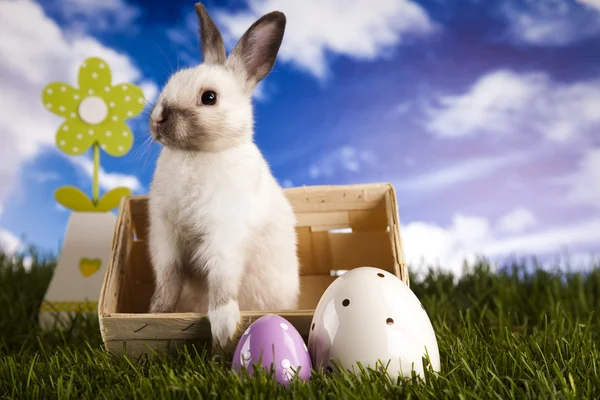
[584, 185]
[316, 29]
[446, 247]
[551, 22]
[9, 243]
[593, 4]
[42, 177]
[517, 221]
[150, 90]
[550, 240]
[506, 102]
[469, 237]
[107, 181]
[462, 171]
[345, 158]
[33, 54]
[105, 15]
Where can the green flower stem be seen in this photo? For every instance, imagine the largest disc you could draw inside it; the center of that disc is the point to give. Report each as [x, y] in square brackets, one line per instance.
[95, 188]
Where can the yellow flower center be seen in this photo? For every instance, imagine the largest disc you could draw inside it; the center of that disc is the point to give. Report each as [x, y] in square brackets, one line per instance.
[93, 110]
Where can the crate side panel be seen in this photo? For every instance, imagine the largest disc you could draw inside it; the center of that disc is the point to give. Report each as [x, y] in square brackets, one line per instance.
[358, 249]
[112, 293]
[321, 253]
[127, 281]
[395, 238]
[186, 326]
[369, 220]
[139, 216]
[336, 198]
[312, 288]
[304, 250]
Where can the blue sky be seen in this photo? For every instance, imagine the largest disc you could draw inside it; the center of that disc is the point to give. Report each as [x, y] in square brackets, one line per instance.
[484, 115]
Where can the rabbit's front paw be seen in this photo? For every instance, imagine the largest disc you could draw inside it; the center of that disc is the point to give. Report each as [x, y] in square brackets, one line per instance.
[224, 322]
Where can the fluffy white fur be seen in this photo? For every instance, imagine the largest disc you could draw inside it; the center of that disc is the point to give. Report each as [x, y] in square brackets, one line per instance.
[222, 233]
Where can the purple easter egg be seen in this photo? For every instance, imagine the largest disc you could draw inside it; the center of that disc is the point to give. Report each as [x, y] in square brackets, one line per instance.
[279, 343]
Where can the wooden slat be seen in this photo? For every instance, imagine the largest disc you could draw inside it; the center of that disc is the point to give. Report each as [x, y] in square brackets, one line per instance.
[368, 220]
[395, 238]
[312, 288]
[305, 250]
[109, 292]
[323, 221]
[191, 326]
[140, 262]
[359, 249]
[321, 252]
[336, 197]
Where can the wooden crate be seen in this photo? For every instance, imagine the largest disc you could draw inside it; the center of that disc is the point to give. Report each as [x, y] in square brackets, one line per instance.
[339, 228]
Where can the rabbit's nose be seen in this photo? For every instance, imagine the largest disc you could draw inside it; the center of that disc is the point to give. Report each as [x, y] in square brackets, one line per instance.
[164, 115]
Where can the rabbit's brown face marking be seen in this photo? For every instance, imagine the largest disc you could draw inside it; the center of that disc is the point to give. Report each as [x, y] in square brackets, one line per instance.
[185, 118]
[182, 120]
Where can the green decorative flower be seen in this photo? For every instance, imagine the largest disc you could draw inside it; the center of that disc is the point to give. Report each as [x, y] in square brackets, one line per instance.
[94, 113]
[95, 116]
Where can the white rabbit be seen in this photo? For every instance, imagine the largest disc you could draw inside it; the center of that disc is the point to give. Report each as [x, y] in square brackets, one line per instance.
[222, 234]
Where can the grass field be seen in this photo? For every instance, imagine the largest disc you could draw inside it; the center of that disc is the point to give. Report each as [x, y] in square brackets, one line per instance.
[519, 334]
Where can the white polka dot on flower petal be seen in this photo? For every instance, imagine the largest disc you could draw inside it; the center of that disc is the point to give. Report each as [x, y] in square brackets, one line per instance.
[61, 108]
[129, 113]
[120, 148]
[283, 326]
[79, 136]
[76, 96]
[115, 118]
[285, 363]
[91, 132]
[108, 133]
[140, 100]
[95, 75]
[62, 142]
[111, 104]
[124, 87]
[127, 98]
[75, 148]
[84, 65]
[103, 146]
[48, 105]
[65, 128]
[107, 88]
[49, 91]
[125, 133]
[73, 115]
[101, 65]
[63, 89]
[91, 91]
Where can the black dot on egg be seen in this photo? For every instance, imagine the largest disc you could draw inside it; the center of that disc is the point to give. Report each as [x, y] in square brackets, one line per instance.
[346, 302]
[379, 274]
[389, 321]
[313, 327]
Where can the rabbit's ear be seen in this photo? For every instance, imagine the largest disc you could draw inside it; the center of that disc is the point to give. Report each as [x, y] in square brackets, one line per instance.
[213, 48]
[255, 53]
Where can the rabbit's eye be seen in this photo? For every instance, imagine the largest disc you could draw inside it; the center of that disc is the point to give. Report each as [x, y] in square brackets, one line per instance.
[209, 98]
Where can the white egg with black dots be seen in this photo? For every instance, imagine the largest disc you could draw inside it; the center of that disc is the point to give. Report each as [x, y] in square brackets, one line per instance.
[369, 316]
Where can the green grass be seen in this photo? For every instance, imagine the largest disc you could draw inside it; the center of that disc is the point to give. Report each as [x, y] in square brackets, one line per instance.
[515, 335]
